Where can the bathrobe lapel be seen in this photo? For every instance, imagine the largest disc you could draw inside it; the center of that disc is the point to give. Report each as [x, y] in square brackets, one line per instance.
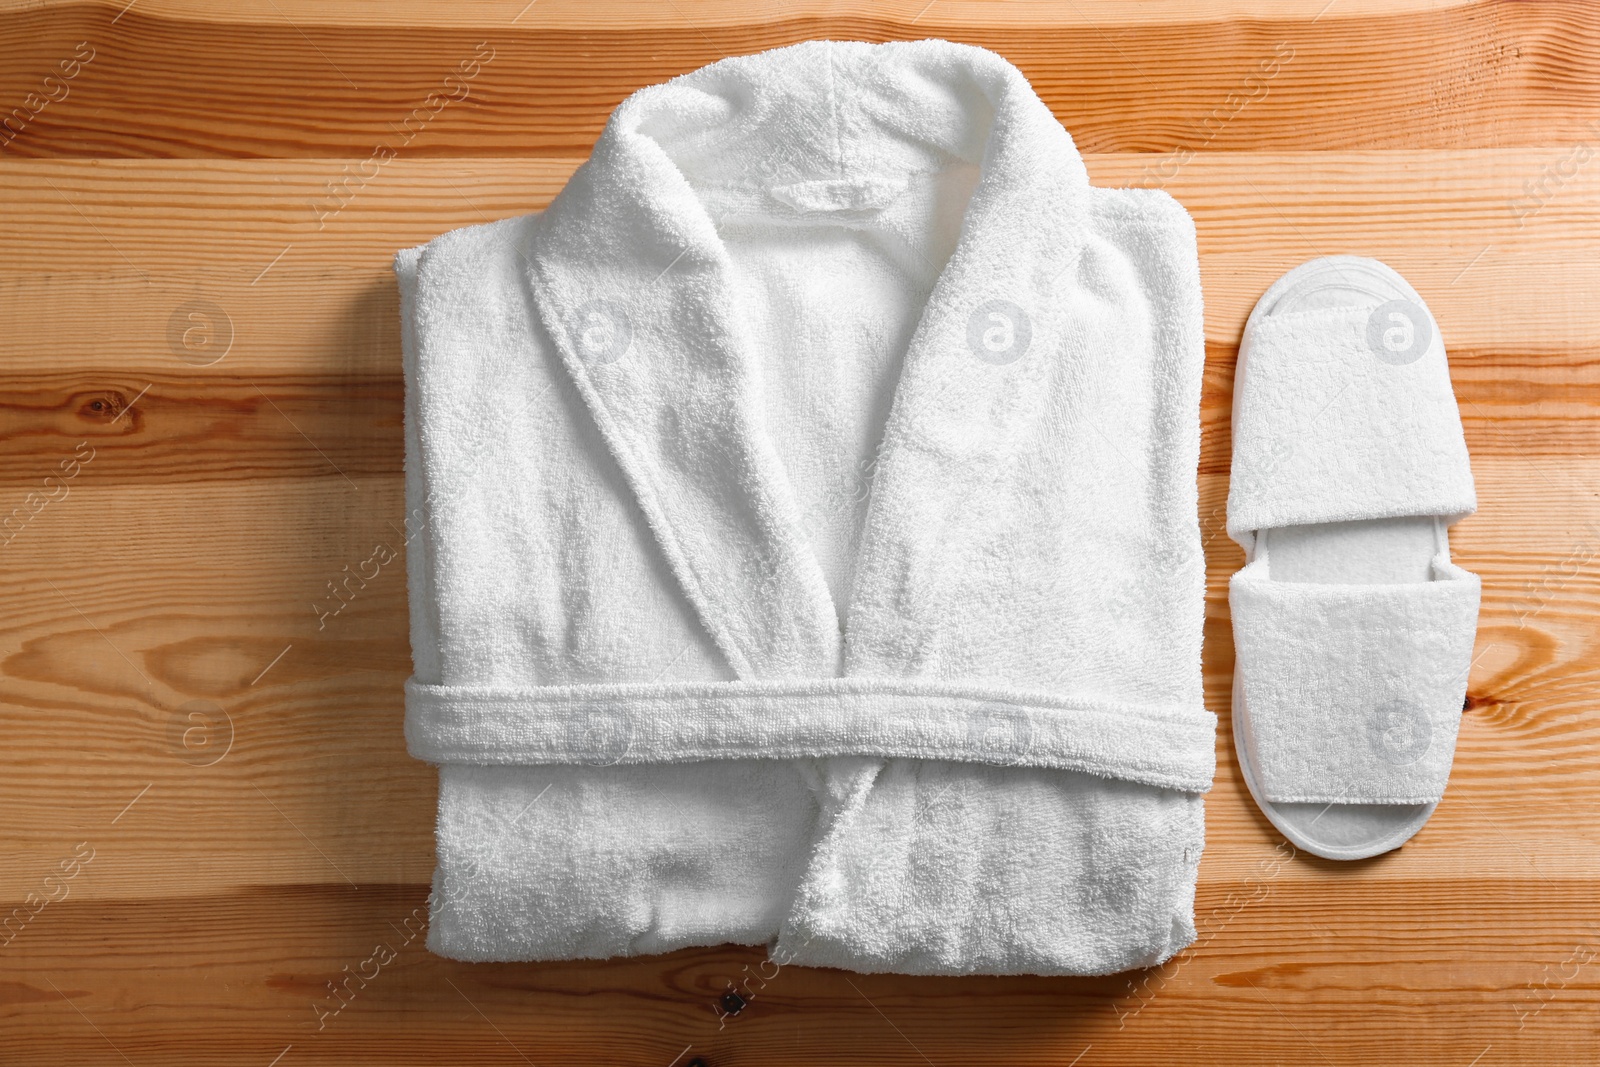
[630, 279]
[997, 331]
[632, 283]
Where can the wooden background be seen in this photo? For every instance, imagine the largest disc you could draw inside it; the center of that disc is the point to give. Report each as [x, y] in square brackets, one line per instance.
[206, 792]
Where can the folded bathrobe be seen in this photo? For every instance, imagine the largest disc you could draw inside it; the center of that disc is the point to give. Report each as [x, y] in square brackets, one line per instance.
[803, 535]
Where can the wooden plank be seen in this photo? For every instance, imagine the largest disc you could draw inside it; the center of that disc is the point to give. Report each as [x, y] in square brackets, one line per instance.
[165, 80]
[1307, 978]
[645, 14]
[228, 617]
[272, 409]
[221, 334]
[1494, 264]
[306, 320]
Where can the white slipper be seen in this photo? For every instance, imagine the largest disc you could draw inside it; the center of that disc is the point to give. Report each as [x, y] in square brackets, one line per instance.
[1353, 630]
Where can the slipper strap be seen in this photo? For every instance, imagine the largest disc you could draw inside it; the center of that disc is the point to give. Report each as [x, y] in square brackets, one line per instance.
[1335, 420]
[1353, 693]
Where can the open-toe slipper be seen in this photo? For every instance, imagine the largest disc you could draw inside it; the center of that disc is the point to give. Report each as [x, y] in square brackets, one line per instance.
[1353, 630]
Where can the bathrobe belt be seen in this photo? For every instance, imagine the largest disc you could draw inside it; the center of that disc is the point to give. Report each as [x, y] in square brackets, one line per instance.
[634, 723]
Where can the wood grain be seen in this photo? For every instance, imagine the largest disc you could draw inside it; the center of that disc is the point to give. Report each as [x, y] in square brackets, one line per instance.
[225, 344]
[165, 80]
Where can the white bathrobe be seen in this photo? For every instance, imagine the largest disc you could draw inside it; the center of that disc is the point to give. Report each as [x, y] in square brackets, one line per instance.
[802, 535]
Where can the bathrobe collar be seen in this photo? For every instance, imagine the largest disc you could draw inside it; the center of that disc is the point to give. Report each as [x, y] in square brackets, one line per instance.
[630, 279]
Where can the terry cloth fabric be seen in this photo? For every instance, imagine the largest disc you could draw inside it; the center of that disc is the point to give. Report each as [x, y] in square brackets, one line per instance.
[1354, 691]
[1326, 431]
[805, 535]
